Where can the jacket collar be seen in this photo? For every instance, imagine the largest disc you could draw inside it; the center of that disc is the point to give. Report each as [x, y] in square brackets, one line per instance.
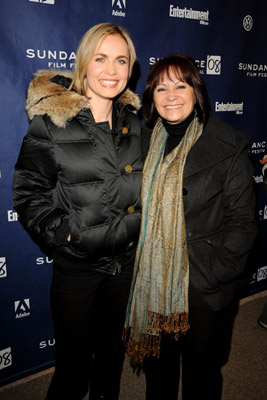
[216, 143]
[48, 94]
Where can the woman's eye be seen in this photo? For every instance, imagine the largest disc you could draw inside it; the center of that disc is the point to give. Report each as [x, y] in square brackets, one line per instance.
[99, 59]
[181, 87]
[160, 89]
[122, 62]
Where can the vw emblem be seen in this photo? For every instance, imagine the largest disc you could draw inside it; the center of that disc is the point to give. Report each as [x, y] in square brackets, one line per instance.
[248, 23]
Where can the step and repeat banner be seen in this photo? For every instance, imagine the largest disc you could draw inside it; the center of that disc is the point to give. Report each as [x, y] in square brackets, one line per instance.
[228, 41]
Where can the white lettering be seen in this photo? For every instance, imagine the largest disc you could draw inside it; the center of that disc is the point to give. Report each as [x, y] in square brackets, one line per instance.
[259, 145]
[45, 343]
[57, 65]
[252, 67]
[21, 315]
[152, 60]
[50, 54]
[30, 53]
[118, 13]
[12, 216]
[236, 107]
[42, 260]
[176, 12]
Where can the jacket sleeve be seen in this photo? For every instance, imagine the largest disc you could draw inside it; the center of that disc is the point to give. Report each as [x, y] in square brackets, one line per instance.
[34, 184]
[239, 218]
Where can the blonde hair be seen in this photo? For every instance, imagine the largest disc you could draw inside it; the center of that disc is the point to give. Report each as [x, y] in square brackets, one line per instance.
[87, 47]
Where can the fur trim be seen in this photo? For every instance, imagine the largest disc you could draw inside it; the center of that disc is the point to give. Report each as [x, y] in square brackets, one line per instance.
[129, 97]
[46, 97]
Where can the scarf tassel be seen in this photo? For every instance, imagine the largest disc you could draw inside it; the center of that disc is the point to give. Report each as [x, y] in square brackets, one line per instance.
[141, 346]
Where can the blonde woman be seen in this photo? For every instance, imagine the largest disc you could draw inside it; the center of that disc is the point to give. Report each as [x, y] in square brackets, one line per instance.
[77, 192]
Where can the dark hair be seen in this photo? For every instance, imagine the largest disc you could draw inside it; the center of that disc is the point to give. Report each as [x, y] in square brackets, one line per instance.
[186, 70]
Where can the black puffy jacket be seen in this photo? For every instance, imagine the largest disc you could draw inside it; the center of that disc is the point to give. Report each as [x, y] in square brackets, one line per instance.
[74, 176]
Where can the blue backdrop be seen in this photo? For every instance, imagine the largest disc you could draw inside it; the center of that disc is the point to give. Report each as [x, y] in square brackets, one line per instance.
[228, 40]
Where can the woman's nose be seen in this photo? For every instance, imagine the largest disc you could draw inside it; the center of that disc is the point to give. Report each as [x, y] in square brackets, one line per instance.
[171, 96]
[111, 69]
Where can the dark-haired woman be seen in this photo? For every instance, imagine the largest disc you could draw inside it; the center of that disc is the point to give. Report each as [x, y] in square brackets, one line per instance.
[197, 228]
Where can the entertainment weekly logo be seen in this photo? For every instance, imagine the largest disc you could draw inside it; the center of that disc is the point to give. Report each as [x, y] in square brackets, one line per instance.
[189, 13]
[211, 66]
[229, 107]
[12, 216]
[119, 8]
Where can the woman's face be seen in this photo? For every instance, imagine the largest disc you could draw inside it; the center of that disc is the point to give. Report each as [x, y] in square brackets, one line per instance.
[174, 99]
[107, 72]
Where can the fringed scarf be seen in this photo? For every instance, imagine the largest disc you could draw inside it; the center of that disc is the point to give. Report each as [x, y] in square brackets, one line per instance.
[158, 301]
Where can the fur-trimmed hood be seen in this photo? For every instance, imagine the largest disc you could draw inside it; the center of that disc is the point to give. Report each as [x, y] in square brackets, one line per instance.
[47, 97]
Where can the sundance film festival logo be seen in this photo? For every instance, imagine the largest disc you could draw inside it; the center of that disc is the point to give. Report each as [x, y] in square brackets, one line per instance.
[44, 1]
[44, 260]
[118, 8]
[22, 308]
[258, 147]
[262, 273]
[248, 23]
[58, 59]
[263, 213]
[210, 66]
[3, 269]
[253, 70]
[5, 358]
[213, 65]
[47, 343]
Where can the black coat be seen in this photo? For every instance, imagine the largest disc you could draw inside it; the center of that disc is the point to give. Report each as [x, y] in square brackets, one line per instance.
[219, 209]
[73, 176]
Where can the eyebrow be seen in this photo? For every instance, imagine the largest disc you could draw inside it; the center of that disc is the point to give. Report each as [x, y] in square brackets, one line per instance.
[105, 55]
[164, 84]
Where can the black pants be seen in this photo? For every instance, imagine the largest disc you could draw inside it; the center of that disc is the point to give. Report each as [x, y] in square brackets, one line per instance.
[201, 350]
[88, 310]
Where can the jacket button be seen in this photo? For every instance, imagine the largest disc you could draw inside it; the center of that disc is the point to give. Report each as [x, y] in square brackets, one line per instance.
[185, 191]
[128, 169]
[130, 209]
[130, 245]
[125, 130]
[189, 234]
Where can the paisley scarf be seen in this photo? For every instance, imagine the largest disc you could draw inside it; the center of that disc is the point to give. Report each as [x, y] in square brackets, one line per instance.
[158, 301]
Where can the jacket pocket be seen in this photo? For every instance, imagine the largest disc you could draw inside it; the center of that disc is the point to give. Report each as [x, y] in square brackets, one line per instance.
[203, 256]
